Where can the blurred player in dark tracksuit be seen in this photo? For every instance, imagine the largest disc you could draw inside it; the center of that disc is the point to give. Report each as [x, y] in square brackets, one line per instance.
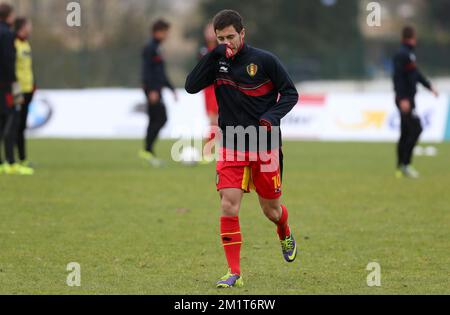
[25, 77]
[406, 77]
[10, 94]
[212, 109]
[154, 79]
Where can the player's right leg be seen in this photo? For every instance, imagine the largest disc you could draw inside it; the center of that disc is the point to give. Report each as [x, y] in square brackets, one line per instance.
[231, 236]
[232, 181]
[411, 130]
[2, 119]
[10, 136]
[157, 119]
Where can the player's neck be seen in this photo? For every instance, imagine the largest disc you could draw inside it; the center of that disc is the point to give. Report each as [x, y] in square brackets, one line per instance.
[408, 44]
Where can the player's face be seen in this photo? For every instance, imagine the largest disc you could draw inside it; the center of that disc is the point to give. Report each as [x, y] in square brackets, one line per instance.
[29, 29]
[11, 18]
[412, 41]
[161, 35]
[230, 36]
[26, 30]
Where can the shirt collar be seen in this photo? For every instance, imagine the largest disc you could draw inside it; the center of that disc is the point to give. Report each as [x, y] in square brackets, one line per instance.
[243, 50]
[409, 46]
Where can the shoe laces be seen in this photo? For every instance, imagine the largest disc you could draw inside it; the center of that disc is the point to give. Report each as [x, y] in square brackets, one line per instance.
[287, 244]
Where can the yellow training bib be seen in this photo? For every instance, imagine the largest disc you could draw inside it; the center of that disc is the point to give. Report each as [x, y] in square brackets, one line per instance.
[24, 65]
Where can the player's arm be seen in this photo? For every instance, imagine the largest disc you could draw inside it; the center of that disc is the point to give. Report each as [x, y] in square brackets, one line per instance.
[425, 82]
[203, 74]
[8, 54]
[288, 95]
[167, 83]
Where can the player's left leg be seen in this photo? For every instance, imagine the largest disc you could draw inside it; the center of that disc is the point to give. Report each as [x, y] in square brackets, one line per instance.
[266, 178]
[416, 130]
[413, 129]
[157, 120]
[10, 135]
[2, 127]
[278, 214]
[21, 140]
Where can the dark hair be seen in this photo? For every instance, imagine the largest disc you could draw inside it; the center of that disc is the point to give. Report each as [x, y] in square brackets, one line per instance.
[20, 23]
[160, 25]
[227, 18]
[5, 11]
[408, 32]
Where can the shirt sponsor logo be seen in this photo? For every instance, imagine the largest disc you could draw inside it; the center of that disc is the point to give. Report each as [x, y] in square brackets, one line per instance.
[223, 69]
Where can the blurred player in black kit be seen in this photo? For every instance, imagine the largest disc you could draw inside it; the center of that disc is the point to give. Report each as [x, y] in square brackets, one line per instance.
[154, 79]
[406, 77]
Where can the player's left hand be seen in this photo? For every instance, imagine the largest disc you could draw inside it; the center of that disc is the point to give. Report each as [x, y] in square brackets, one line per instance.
[435, 92]
[175, 96]
[266, 123]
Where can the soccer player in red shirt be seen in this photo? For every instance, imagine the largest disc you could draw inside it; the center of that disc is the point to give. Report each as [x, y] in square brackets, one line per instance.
[254, 92]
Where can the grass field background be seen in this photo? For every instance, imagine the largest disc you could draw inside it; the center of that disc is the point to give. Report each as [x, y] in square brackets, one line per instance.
[138, 230]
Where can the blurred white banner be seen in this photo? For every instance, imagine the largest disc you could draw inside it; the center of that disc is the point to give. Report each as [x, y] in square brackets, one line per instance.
[121, 113]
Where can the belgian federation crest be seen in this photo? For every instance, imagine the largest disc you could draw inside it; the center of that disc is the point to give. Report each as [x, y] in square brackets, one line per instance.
[252, 69]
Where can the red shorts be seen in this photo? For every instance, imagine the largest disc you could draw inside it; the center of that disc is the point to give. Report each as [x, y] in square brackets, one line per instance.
[210, 101]
[251, 171]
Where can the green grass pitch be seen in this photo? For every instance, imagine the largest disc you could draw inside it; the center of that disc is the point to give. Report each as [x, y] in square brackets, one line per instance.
[138, 230]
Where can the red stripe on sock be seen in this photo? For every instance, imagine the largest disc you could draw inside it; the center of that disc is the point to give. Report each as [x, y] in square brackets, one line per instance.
[283, 226]
[232, 240]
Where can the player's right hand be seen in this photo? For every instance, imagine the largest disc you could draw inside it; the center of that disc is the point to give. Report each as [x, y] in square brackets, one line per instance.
[9, 99]
[229, 53]
[405, 106]
[17, 94]
[225, 50]
[175, 96]
[435, 92]
[153, 97]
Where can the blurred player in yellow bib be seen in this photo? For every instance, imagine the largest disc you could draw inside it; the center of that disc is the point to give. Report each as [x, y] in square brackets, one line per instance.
[25, 77]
